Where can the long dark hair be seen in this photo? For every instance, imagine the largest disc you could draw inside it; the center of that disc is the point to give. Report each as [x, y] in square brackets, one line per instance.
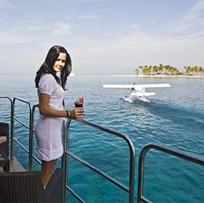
[47, 66]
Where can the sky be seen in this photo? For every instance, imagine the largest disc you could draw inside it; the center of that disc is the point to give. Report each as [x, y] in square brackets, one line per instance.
[102, 36]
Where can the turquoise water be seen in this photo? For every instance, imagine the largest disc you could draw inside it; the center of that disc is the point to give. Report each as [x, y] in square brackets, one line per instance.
[175, 118]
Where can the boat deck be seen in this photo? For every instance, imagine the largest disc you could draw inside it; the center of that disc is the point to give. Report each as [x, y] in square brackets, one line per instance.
[15, 166]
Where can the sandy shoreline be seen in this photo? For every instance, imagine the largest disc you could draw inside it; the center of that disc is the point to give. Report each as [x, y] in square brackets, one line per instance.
[161, 76]
[172, 76]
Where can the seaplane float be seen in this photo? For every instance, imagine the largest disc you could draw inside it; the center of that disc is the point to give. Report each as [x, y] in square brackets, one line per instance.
[137, 91]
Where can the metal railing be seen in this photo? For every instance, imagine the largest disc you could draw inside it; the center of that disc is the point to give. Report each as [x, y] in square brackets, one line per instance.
[29, 150]
[13, 118]
[130, 189]
[176, 153]
[29, 127]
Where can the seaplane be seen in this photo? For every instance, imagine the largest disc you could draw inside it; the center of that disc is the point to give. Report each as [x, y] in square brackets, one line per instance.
[137, 91]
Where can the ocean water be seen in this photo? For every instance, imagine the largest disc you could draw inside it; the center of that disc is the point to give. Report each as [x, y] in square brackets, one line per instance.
[174, 118]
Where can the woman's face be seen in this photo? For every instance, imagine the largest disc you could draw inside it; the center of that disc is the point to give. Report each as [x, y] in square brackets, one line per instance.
[60, 62]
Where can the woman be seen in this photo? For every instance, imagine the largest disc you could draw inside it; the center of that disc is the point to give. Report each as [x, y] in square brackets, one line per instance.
[51, 105]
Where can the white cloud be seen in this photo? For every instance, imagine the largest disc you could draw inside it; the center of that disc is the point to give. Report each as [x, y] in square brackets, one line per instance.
[194, 19]
[61, 29]
[198, 7]
[134, 26]
[88, 17]
[125, 53]
[7, 39]
[32, 24]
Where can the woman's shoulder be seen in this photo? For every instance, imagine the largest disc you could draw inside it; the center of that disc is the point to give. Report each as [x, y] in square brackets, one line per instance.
[47, 83]
[47, 76]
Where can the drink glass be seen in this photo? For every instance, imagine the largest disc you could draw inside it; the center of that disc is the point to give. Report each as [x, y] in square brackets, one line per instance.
[78, 104]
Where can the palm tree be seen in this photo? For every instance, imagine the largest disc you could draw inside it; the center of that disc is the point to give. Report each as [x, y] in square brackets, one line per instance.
[160, 68]
[136, 71]
[155, 69]
[166, 68]
[201, 70]
[141, 67]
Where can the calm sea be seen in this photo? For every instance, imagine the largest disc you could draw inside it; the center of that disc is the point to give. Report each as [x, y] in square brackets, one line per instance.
[174, 118]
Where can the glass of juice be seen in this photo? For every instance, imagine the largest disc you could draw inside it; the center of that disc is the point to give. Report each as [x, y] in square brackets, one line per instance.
[79, 102]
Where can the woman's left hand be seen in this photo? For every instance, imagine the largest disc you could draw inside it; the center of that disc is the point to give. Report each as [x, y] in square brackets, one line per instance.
[77, 112]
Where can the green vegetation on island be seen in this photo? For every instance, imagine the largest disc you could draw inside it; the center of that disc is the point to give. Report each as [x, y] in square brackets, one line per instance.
[169, 70]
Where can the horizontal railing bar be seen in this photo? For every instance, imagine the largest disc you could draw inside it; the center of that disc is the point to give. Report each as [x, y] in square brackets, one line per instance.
[167, 150]
[105, 129]
[174, 152]
[99, 171]
[21, 145]
[36, 159]
[22, 100]
[144, 200]
[26, 150]
[6, 98]
[75, 195]
[19, 121]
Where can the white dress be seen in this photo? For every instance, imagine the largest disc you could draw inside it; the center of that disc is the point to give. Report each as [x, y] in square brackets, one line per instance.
[48, 130]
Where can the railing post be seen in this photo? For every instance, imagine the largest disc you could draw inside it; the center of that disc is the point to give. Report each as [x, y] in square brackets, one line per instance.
[132, 172]
[63, 163]
[12, 129]
[31, 125]
[30, 131]
[65, 157]
[140, 176]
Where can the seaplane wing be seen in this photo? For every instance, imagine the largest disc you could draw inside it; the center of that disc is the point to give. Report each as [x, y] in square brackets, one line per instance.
[137, 86]
[119, 86]
[137, 91]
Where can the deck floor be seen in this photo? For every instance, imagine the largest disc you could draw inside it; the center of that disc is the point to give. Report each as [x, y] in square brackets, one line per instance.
[15, 166]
